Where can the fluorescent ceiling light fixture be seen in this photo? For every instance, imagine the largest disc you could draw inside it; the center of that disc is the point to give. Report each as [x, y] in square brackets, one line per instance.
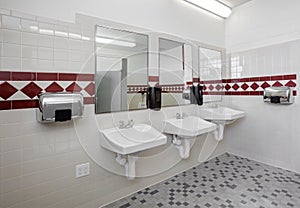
[74, 35]
[61, 33]
[85, 38]
[213, 6]
[115, 42]
[46, 31]
[34, 28]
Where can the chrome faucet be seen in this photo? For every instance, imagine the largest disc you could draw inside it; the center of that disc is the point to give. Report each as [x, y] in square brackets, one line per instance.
[122, 124]
[181, 115]
[214, 105]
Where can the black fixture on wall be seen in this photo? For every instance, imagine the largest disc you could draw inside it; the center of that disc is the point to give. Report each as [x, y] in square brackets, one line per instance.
[196, 95]
[154, 98]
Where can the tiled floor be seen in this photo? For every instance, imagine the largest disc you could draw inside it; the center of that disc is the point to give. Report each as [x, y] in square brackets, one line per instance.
[226, 181]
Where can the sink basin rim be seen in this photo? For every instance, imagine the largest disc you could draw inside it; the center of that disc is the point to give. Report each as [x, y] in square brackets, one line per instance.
[171, 127]
[124, 145]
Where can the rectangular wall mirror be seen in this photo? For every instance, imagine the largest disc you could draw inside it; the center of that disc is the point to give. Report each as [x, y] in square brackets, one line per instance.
[210, 66]
[175, 71]
[121, 76]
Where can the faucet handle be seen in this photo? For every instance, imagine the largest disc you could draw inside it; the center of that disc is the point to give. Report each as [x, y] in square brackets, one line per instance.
[131, 122]
[121, 124]
[178, 116]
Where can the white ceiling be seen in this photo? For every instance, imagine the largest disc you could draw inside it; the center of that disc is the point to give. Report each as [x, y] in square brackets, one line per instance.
[234, 3]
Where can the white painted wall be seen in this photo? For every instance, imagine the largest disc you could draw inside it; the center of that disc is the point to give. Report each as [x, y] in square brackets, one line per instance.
[261, 23]
[169, 16]
[271, 29]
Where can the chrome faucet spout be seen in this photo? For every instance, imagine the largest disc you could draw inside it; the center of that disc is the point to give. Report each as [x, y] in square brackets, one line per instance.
[181, 115]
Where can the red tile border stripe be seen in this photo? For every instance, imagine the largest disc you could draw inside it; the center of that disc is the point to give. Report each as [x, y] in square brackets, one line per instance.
[44, 76]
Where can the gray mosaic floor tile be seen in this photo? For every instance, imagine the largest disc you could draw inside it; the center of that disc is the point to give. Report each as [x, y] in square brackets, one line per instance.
[227, 181]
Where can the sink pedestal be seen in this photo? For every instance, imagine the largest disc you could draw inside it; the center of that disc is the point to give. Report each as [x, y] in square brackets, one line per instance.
[183, 145]
[128, 162]
[218, 133]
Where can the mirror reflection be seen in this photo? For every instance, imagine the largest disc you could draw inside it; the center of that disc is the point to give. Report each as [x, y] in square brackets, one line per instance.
[121, 70]
[176, 74]
[210, 65]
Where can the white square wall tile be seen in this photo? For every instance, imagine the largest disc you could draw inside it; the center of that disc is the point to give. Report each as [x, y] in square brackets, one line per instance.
[11, 50]
[45, 41]
[60, 42]
[60, 65]
[30, 65]
[60, 54]
[74, 44]
[9, 22]
[46, 65]
[1, 50]
[12, 64]
[74, 66]
[45, 53]
[29, 25]
[74, 55]
[29, 39]
[11, 36]
[29, 52]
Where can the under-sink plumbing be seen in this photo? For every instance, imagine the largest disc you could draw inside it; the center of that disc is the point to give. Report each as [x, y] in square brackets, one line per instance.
[128, 162]
[122, 124]
[181, 115]
[183, 146]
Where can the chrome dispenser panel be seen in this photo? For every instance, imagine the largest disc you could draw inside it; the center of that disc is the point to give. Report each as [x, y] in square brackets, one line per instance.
[279, 95]
[62, 106]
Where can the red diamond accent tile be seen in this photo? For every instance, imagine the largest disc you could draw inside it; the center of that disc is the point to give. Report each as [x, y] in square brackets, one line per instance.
[290, 84]
[265, 85]
[227, 87]
[244, 86]
[7, 90]
[31, 90]
[204, 87]
[277, 84]
[254, 86]
[211, 87]
[218, 87]
[73, 88]
[54, 87]
[235, 87]
[90, 89]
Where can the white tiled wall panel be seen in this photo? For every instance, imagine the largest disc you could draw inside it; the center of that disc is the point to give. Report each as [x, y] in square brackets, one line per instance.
[29, 43]
[37, 161]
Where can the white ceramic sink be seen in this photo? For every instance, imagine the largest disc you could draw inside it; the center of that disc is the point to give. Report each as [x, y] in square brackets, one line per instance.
[221, 114]
[130, 140]
[189, 126]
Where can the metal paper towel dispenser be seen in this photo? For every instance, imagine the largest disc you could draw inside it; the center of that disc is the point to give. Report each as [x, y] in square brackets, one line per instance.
[279, 95]
[63, 106]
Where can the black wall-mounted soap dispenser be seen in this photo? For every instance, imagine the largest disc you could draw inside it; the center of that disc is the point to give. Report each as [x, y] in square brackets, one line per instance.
[154, 98]
[196, 95]
[199, 94]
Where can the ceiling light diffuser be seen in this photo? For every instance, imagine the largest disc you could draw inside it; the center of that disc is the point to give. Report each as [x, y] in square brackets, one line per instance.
[115, 42]
[212, 6]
